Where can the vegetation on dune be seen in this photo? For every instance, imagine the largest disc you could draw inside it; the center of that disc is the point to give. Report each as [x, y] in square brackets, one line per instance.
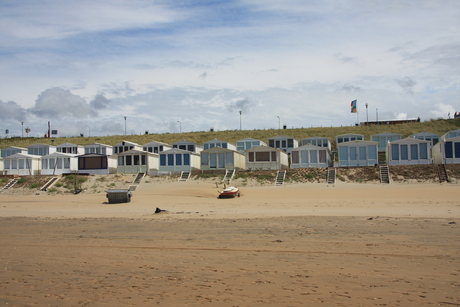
[435, 126]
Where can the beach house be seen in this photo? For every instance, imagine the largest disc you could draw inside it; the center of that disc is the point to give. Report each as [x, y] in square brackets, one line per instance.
[248, 143]
[22, 164]
[266, 158]
[357, 153]
[383, 139]
[137, 161]
[446, 151]
[283, 142]
[409, 151]
[310, 156]
[59, 163]
[175, 161]
[218, 158]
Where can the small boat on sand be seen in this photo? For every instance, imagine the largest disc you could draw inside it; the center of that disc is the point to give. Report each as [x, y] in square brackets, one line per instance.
[229, 192]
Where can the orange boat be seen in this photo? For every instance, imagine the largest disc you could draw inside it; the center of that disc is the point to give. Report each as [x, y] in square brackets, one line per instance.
[229, 192]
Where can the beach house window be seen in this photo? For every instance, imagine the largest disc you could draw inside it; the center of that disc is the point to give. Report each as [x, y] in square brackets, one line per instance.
[128, 160]
[322, 156]
[263, 156]
[251, 157]
[313, 156]
[339, 140]
[21, 163]
[240, 146]
[162, 160]
[404, 152]
[423, 151]
[136, 159]
[14, 164]
[229, 158]
[413, 151]
[45, 164]
[178, 159]
[143, 159]
[372, 152]
[121, 161]
[187, 159]
[170, 159]
[290, 143]
[273, 154]
[59, 163]
[271, 143]
[191, 147]
[204, 158]
[221, 160]
[7, 164]
[304, 156]
[353, 155]
[66, 163]
[295, 156]
[213, 160]
[457, 149]
[362, 153]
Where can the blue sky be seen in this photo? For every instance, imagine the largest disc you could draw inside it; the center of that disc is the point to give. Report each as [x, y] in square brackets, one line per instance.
[85, 65]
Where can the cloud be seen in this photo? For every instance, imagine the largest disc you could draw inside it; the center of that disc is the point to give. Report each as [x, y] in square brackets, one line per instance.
[350, 88]
[57, 102]
[11, 109]
[407, 84]
[240, 105]
[203, 75]
[99, 102]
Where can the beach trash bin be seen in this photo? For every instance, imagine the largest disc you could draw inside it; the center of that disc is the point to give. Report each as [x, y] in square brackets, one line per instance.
[119, 196]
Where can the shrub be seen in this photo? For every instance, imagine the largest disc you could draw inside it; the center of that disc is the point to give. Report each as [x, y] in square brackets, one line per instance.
[22, 180]
[34, 185]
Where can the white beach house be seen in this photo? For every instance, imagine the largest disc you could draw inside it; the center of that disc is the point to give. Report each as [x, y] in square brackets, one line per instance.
[447, 151]
[218, 158]
[357, 153]
[409, 151]
[427, 136]
[98, 148]
[40, 149]
[187, 145]
[125, 146]
[137, 161]
[22, 164]
[12, 151]
[266, 158]
[248, 143]
[59, 163]
[97, 164]
[317, 141]
[70, 149]
[156, 147]
[383, 139]
[177, 160]
[283, 142]
[310, 156]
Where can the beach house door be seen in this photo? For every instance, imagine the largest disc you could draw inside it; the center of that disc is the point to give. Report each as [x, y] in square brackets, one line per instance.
[362, 155]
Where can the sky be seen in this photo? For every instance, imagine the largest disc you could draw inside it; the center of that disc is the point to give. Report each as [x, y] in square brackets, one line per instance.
[105, 67]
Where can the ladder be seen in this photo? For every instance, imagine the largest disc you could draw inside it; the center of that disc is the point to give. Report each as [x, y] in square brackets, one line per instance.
[384, 174]
[49, 183]
[331, 175]
[442, 172]
[280, 175]
[184, 176]
[9, 184]
[228, 175]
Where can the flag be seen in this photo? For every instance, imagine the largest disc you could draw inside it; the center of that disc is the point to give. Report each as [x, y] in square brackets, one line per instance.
[354, 108]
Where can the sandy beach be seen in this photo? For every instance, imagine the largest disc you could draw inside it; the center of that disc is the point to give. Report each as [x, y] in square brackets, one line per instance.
[296, 245]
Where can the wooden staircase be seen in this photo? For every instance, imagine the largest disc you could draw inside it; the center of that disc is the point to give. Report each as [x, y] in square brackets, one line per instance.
[331, 175]
[384, 174]
[49, 183]
[280, 176]
[139, 178]
[229, 174]
[442, 172]
[184, 176]
[9, 184]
